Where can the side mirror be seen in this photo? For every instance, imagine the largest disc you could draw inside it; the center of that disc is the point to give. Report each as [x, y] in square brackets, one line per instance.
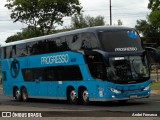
[152, 55]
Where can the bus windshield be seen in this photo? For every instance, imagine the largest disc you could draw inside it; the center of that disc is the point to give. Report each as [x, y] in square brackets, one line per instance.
[120, 41]
[128, 69]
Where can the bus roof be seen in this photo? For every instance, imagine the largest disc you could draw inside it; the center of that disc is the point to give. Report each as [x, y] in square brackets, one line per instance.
[88, 29]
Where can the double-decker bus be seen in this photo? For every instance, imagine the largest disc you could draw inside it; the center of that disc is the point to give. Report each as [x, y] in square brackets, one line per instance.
[90, 64]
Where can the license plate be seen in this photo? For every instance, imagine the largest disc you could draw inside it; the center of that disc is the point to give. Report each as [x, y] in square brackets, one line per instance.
[133, 96]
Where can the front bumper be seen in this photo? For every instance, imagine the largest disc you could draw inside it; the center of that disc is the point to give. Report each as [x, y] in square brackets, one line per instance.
[118, 99]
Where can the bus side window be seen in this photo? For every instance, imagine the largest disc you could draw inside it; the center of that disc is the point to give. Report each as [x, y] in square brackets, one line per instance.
[89, 41]
[49, 74]
[74, 41]
[42, 47]
[21, 50]
[9, 52]
[30, 48]
[52, 47]
[38, 74]
[14, 51]
[69, 40]
[27, 74]
[61, 44]
[4, 52]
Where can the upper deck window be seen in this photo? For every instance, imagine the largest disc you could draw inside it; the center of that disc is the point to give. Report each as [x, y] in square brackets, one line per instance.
[120, 41]
[3, 52]
[85, 40]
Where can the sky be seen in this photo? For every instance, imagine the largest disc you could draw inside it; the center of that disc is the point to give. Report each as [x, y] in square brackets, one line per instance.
[128, 11]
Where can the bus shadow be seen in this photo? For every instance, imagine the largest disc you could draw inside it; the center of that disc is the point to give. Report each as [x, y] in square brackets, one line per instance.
[100, 104]
[50, 101]
[118, 104]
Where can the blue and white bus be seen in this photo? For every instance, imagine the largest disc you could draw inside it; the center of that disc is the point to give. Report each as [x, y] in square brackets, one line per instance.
[90, 64]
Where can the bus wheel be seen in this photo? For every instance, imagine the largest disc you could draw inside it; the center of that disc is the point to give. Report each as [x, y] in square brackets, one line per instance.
[84, 96]
[17, 94]
[24, 94]
[72, 97]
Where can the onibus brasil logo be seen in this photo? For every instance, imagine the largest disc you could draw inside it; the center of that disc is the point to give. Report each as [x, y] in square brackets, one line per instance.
[15, 67]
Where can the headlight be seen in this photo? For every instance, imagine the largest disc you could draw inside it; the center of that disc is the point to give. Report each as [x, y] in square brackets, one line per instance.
[114, 90]
[146, 88]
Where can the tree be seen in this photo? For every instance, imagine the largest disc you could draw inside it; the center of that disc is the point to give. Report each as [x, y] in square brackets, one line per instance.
[150, 28]
[14, 38]
[77, 22]
[119, 22]
[144, 29]
[154, 17]
[25, 34]
[81, 21]
[154, 5]
[42, 14]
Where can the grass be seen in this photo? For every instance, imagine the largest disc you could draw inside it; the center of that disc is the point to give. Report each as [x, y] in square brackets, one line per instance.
[155, 85]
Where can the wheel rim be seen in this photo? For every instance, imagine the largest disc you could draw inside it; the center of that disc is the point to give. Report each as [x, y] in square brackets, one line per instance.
[24, 95]
[85, 96]
[17, 94]
[73, 95]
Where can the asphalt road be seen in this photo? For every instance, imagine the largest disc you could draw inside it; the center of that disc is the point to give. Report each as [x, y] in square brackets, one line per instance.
[155, 77]
[54, 108]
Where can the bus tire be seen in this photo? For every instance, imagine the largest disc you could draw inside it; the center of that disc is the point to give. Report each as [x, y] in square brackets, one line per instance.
[24, 94]
[72, 96]
[84, 98]
[17, 94]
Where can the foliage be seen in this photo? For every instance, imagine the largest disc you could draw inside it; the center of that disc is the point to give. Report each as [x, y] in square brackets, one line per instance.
[154, 5]
[155, 85]
[154, 17]
[150, 28]
[149, 31]
[158, 49]
[42, 14]
[25, 34]
[12, 38]
[119, 22]
[81, 21]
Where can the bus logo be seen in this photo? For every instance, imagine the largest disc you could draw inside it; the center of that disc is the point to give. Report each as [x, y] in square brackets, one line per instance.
[15, 67]
[63, 58]
[132, 34]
